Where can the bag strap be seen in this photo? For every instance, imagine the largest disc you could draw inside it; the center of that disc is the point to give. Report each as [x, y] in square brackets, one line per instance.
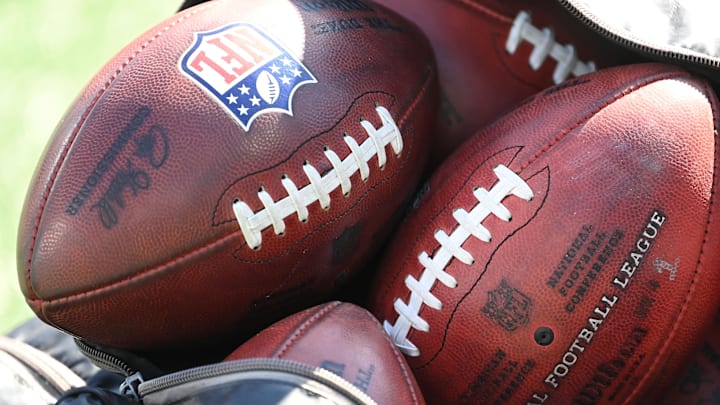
[32, 376]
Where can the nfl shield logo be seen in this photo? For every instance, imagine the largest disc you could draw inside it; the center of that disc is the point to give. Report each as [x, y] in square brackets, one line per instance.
[508, 307]
[248, 72]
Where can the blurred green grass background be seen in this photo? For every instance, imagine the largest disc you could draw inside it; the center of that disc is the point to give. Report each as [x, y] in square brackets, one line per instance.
[49, 50]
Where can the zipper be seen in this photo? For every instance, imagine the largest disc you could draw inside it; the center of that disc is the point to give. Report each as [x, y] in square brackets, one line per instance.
[586, 16]
[260, 364]
[59, 377]
[107, 361]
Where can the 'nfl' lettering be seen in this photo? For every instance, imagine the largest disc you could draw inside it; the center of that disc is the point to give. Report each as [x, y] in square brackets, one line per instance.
[247, 71]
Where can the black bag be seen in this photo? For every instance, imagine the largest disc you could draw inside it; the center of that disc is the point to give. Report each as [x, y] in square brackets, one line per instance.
[252, 381]
[261, 381]
[39, 365]
[678, 32]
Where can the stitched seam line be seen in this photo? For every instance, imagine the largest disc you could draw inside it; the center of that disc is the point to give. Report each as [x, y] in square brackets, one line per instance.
[488, 203]
[544, 46]
[146, 273]
[484, 10]
[559, 138]
[594, 112]
[319, 187]
[78, 127]
[409, 257]
[401, 363]
[149, 272]
[716, 167]
[304, 327]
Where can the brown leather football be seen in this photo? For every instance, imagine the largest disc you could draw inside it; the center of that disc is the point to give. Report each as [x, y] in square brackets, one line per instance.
[568, 253]
[233, 164]
[344, 339]
[700, 383]
[492, 54]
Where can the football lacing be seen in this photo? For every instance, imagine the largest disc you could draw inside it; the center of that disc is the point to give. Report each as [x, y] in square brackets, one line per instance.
[544, 46]
[469, 224]
[319, 188]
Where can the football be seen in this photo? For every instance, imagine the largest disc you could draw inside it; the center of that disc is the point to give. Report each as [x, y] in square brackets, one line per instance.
[567, 253]
[344, 339]
[492, 54]
[235, 163]
[700, 383]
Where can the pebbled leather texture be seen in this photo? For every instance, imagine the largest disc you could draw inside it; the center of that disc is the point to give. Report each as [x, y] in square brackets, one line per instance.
[598, 288]
[344, 339]
[479, 79]
[700, 383]
[129, 237]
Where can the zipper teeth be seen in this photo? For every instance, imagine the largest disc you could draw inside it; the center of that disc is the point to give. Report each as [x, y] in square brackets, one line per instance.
[259, 364]
[588, 18]
[104, 360]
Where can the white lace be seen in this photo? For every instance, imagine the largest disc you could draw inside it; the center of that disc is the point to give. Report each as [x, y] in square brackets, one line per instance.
[298, 199]
[544, 46]
[469, 224]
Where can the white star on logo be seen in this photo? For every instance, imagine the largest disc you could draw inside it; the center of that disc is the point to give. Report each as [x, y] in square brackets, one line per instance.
[285, 79]
[254, 100]
[286, 61]
[295, 72]
[244, 89]
[243, 110]
[232, 99]
[274, 68]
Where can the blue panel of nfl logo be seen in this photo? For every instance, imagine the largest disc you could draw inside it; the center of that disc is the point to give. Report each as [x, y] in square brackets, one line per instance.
[247, 71]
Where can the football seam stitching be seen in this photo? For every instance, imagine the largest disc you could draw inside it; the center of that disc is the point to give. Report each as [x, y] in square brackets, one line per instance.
[587, 117]
[134, 277]
[216, 212]
[544, 46]
[491, 257]
[424, 86]
[400, 361]
[320, 186]
[409, 256]
[630, 89]
[81, 122]
[489, 202]
[474, 6]
[691, 289]
[304, 327]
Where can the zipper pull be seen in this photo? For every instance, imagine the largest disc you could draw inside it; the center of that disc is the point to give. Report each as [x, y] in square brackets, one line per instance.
[130, 386]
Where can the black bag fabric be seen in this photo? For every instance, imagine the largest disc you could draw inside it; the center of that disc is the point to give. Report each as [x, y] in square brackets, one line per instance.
[62, 348]
[262, 381]
[679, 32]
[89, 395]
[39, 364]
